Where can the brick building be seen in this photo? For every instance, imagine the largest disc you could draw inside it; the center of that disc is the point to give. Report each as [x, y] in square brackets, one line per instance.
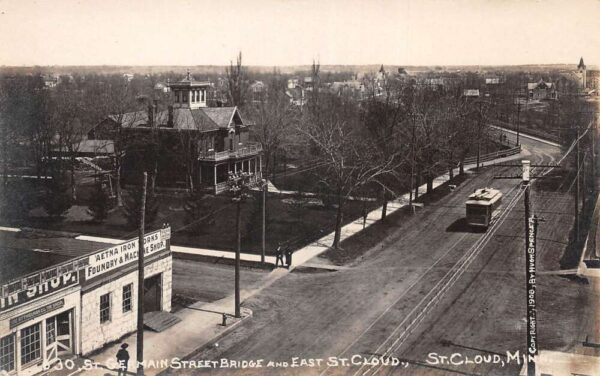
[76, 298]
[194, 144]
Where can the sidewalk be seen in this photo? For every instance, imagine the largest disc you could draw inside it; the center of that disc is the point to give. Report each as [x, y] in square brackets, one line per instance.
[200, 325]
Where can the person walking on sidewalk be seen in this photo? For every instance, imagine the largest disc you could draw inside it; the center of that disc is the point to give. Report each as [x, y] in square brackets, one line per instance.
[278, 256]
[288, 258]
[123, 359]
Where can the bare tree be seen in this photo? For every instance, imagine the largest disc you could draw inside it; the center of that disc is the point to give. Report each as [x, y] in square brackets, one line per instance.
[237, 82]
[117, 102]
[384, 116]
[273, 118]
[348, 161]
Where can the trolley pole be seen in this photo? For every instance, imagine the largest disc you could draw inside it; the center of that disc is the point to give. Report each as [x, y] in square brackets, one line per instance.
[140, 300]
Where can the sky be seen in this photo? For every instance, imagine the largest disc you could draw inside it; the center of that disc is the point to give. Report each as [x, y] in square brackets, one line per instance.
[294, 32]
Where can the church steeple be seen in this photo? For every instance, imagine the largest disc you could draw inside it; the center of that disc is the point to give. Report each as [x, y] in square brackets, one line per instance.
[583, 73]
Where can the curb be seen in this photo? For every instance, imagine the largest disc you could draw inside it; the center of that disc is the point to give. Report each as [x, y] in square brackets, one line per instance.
[246, 314]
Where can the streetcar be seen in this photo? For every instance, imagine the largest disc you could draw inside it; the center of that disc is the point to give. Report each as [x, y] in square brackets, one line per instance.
[481, 206]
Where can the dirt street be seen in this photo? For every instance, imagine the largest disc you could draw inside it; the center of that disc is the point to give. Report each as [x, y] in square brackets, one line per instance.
[433, 286]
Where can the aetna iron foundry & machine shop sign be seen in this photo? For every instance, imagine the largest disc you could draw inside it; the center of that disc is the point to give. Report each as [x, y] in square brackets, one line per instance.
[113, 258]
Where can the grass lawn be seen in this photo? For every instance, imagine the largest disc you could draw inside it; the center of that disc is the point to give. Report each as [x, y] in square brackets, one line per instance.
[288, 221]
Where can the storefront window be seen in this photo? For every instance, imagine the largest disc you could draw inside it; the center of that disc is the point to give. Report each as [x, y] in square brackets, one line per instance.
[7, 353]
[50, 330]
[127, 297]
[30, 344]
[105, 308]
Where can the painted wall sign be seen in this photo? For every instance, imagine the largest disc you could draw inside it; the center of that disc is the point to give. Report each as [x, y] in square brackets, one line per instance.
[114, 257]
[14, 322]
[34, 292]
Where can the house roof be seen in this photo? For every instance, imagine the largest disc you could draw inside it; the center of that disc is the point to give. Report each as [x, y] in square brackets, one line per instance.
[202, 119]
[541, 82]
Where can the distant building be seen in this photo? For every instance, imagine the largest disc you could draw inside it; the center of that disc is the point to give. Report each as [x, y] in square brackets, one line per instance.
[541, 90]
[471, 93]
[162, 87]
[492, 81]
[50, 81]
[257, 91]
[581, 70]
[352, 88]
[128, 76]
[292, 83]
[296, 95]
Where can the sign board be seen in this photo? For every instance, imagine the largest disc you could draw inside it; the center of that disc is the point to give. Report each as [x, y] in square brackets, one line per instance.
[531, 287]
[36, 313]
[42, 289]
[112, 258]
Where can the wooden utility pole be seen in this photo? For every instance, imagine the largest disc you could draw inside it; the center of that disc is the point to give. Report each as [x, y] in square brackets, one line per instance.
[237, 257]
[594, 173]
[264, 220]
[518, 118]
[479, 136]
[577, 188]
[140, 300]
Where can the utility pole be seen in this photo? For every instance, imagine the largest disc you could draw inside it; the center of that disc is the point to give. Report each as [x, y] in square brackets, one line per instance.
[577, 188]
[264, 220]
[479, 135]
[140, 300]
[237, 257]
[594, 180]
[518, 118]
[412, 165]
[238, 184]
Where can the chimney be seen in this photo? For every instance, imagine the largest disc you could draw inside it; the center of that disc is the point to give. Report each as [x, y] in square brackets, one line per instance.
[170, 119]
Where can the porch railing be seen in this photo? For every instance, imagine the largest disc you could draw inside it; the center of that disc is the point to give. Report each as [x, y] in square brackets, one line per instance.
[245, 150]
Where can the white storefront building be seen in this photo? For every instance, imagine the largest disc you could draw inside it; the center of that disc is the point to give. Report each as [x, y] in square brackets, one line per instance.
[79, 305]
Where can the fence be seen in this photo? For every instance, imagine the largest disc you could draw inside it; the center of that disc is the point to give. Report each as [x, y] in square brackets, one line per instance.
[494, 155]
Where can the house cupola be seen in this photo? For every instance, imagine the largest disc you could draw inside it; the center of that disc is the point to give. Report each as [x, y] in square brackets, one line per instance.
[189, 93]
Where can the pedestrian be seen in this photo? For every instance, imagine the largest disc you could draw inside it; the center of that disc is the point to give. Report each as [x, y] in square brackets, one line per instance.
[123, 359]
[278, 256]
[364, 215]
[288, 259]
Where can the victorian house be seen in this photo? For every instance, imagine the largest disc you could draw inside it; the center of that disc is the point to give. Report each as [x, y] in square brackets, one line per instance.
[187, 144]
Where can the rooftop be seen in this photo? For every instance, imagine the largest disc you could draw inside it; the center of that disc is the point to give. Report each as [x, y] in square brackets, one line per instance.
[28, 251]
[202, 119]
[189, 81]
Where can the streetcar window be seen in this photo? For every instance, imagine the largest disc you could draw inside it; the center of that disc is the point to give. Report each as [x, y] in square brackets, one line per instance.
[476, 210]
